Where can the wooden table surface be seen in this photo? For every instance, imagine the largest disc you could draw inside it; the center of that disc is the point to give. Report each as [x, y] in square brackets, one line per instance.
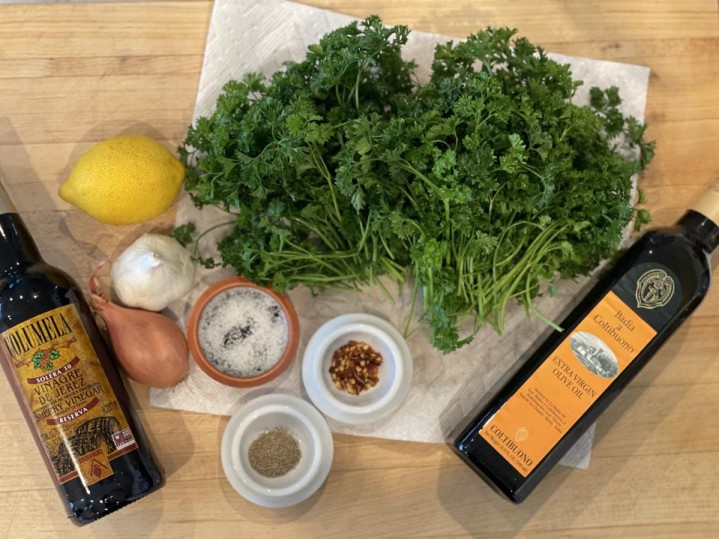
[73, 74]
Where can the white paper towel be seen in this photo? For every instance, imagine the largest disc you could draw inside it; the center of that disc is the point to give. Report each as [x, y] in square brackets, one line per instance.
[259, 35]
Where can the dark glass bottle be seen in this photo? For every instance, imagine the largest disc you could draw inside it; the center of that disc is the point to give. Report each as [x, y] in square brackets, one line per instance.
[606, 340]
[67, 384]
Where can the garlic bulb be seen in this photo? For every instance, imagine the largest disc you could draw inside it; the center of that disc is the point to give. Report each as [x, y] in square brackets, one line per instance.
[153, 272]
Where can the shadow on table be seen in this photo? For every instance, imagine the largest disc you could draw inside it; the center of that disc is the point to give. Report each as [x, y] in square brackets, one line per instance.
[139, 520]
[31, 196]
[261, 515]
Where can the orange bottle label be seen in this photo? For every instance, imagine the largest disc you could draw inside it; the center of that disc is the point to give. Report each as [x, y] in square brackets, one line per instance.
[535, 418]
[75, 411]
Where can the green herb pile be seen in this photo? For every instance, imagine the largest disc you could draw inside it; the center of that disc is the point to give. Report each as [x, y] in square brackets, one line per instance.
[482, 186]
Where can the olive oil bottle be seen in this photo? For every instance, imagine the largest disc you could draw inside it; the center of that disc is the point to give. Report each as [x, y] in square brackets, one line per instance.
[66, 382]
[606, 340]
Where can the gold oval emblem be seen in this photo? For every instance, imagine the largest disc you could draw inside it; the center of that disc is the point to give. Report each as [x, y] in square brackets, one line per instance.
[521, 434]
[654, 289]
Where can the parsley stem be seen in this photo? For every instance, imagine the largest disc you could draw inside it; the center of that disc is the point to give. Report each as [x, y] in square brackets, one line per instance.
[196, 244]
[322, 167]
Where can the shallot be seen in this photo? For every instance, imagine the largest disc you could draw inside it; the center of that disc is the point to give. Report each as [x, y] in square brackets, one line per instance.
[150, 347]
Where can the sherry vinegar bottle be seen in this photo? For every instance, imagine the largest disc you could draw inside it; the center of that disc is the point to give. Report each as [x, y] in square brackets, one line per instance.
[606, 340]
[66, 382]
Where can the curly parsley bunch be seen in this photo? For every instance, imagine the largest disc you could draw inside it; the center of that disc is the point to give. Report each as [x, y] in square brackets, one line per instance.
[482, 185]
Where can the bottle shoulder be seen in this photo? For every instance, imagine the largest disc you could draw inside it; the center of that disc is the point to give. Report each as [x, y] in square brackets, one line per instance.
[38, 289]
[673, 250]
[672, 245]
[676, 237]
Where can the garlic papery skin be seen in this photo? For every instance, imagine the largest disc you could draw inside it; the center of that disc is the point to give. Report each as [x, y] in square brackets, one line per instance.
[153, 272]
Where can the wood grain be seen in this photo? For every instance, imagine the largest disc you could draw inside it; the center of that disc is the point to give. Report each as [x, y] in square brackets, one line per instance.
[73, 74]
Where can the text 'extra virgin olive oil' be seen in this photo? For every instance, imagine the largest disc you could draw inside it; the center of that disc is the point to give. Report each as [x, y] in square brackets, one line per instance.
[66, 382]
[606, 340]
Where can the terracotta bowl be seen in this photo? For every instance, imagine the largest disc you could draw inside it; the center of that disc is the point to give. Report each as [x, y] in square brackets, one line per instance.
[273, 372]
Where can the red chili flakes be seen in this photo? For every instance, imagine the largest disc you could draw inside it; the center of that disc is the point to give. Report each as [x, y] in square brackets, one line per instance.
[355, 367]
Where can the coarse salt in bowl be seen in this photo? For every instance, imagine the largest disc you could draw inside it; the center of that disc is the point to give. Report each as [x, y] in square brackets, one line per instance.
[242, 334]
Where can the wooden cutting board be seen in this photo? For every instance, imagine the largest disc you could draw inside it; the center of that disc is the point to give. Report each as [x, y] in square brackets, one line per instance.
[73, 74]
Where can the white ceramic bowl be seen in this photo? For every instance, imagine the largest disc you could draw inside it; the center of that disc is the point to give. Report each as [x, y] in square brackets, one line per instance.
[305, 423]
[395, 373]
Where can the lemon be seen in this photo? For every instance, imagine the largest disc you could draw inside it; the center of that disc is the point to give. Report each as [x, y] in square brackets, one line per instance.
[124, 180]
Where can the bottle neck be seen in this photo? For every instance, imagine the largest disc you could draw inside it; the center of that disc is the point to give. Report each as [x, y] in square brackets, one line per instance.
[701, 220]
[701, 228]
[17, 248]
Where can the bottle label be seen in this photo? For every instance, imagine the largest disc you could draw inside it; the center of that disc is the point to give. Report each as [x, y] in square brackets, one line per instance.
[75, 411]
[585, 363]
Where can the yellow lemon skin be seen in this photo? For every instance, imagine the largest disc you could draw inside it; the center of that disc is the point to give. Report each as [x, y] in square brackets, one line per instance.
[124, 180]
